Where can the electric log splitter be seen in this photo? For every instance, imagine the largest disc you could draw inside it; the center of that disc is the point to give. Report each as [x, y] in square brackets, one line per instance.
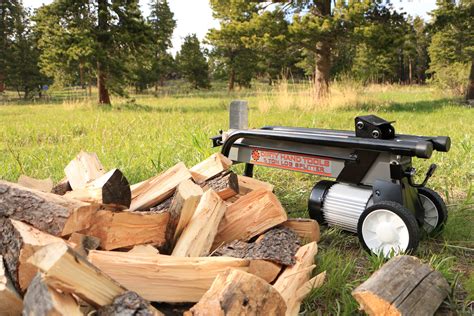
[374, 194]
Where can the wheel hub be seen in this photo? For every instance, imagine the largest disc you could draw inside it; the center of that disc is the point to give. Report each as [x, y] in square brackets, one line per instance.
[386, 233]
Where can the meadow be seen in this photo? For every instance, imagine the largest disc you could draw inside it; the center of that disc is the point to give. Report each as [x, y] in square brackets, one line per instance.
[145, 134]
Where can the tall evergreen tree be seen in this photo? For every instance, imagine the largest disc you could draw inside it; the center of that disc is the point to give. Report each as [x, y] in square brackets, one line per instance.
[162, 24]
[318, 25]
[192, 63]
[229, 40]
[10, 16]
[452, 46]
[107, 36]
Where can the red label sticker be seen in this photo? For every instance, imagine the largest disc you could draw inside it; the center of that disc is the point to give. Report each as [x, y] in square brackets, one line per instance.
[292, 161]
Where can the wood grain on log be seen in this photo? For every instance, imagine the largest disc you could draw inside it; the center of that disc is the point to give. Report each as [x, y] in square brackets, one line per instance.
[294, 277]
[84, 168]
[164, 278]
[159, 188]
[182, 208]
[210, 167]
[250, 216]
[235, 292]
[248, 184]
[267, 270]
[48, 212]
[41, 300]
[196, 239]
[45, 185]
[10, 301]
[110, 188]
[402, 286]
[69, 272]
[19, 241]
[307, 229]
[125, 228]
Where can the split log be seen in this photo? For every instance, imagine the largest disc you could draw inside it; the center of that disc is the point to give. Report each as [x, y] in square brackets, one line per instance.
[19, 242]
[41, 300]
[248, 184]
[125, 229]
[61, 187]
[10, 301]
[226, 185]
[402, 286]
[45, 185]
[164, 278]
[265, 269]
[181, 210]
[293, 278]
[310, 285]
[250, 216]
[83, 243]
[68, 271]
[83, 169]
[307, 229]
[48, 212]
[210, 167]
[279, 245]
[196, 239]
[128, 303]
[111, 188]
[235, 292]
[144, 249]
[159, 188]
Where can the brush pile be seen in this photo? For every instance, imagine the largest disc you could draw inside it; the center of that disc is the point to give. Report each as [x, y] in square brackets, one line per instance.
[204, 236]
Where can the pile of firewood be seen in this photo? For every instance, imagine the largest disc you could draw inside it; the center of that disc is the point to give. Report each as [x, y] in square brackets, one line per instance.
[204, 236]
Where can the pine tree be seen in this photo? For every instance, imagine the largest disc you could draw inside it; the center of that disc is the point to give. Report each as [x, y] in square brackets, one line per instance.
[229, 40]
[104, 37]
[319, 26]
[10, 15]
[192, 63]
[452, 46]
[162, 24]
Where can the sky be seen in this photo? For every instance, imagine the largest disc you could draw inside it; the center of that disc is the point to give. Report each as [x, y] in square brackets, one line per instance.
[195, 16]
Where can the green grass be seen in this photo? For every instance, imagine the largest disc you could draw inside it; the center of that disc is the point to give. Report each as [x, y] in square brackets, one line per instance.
[151, 134]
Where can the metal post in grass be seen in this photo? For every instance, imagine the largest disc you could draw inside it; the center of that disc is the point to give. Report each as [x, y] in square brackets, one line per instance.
[239, 115]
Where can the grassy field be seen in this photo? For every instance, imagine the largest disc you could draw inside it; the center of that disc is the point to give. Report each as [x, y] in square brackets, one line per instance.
[146, 135]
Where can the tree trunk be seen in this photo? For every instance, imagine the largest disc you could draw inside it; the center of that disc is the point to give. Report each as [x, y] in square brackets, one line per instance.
[410, 71]
[102, 39]
[231, 80]
[323, 67]
[81, 75]
[2, 83]
[470, 85]
[104, 97]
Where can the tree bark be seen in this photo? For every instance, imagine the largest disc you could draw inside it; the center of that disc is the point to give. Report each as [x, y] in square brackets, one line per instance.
[323, 55]
[470, 85]
[102, 38]
[2, 83]
[231, 80]
[323, 68]
[104, 97]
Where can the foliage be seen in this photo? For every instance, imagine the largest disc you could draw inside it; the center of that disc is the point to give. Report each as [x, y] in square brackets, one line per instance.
[452, 47]
[192, 63]
[18, 51]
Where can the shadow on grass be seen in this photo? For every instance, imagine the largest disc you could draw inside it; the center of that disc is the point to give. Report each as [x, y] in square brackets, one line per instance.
[424, 106]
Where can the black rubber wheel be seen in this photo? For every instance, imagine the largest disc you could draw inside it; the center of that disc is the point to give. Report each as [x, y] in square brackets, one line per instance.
[387, 227]
[441, 210]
